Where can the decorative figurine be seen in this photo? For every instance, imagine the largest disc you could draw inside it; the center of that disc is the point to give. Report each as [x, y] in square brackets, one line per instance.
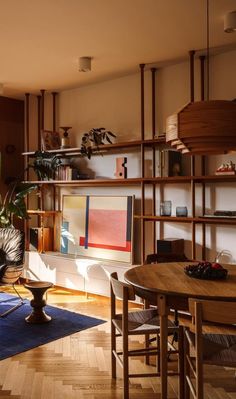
[121, 169]
[226, 169]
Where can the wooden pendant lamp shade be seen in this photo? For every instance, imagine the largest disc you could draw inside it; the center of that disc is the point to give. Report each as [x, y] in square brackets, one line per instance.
[203, 127]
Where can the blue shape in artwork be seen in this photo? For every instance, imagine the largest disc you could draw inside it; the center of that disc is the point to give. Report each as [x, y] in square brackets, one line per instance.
[64, 237]
[86, 223]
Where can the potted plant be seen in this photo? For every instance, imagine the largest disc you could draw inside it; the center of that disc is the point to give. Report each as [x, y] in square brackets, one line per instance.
[93, 139]
[45, 164]
[13, 203]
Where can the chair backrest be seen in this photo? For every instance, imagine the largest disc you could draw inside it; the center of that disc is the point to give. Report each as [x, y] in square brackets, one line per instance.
[162, 258]
[119, 288]
[12, 246]
[212, 311]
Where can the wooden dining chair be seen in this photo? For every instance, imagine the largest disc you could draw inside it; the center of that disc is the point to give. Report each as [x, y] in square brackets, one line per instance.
[213, 349]
[127, 323]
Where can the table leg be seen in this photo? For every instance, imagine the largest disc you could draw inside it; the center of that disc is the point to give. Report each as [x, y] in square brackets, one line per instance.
[163, 313]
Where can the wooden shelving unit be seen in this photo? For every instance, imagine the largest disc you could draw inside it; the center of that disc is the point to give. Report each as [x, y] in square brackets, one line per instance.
[153, 181]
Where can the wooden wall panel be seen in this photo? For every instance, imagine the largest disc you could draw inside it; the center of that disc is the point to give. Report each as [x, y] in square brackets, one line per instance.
[11, 140]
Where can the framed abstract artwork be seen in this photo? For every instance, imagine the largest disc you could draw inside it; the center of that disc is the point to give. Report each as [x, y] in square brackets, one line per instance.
[98, 226]
[50, 140]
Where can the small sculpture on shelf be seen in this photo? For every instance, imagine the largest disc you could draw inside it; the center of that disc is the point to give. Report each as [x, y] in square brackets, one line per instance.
[121, 168]
[226, 169]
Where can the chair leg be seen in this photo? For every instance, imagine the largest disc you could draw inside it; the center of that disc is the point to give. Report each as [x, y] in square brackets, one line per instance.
[186, 368]
[147, 342]
[158, 356]
[199, 379]
[18, 294]
[13, 308]
[181, 362]
[125, 366]
[113, 348]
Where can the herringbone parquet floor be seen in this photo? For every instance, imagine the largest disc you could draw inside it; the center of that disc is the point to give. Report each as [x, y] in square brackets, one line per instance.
[78, 366]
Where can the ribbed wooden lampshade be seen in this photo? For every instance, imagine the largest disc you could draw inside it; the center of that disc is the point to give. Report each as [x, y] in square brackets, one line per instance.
[203, 127]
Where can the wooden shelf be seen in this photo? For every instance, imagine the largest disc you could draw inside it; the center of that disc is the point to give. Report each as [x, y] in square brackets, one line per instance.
[215, 178]
[137, 180]
[174, 219]
[189, 219]
[88, 183]
[188, 179]
[39, 212]
[126, 144]
[215, 220]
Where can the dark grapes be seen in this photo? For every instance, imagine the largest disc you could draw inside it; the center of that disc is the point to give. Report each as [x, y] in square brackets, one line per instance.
[206, 270]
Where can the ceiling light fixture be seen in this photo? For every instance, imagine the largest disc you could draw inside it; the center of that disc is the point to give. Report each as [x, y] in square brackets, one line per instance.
[230, 22]
[85, 64]
[203, 127]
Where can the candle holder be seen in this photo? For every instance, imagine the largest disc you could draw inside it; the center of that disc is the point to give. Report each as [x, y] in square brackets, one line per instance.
[65, 141]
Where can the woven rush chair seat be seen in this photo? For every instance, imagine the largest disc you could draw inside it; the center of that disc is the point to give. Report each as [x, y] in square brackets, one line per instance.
[142, 322]
[218, 349]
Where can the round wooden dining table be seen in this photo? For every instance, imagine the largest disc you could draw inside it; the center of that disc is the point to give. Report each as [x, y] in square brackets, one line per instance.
[167, 285]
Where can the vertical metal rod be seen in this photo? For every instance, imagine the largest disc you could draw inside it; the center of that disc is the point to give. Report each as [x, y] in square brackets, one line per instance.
[193, 240]
[161, 224]
[193, 206]
[41, 199]
[26, 174]
[153, 72]
[208, 51]
[39, 122]
[202, 72]
[142, 66]
[42, 108]
[26, 143]
[39, 145]
[54, 95]
[203, 160]
[192, 96]
[191, 56]
[203, 172]
[193, 184]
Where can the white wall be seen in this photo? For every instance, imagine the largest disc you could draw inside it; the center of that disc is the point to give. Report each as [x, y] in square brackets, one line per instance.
[115, 105]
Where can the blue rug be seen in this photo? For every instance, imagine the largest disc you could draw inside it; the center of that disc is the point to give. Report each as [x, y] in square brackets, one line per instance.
[17, 336]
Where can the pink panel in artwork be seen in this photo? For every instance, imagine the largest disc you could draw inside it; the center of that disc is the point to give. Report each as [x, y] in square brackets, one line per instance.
[107, 227]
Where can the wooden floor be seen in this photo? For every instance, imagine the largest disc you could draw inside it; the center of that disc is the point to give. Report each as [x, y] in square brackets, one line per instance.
[78, 366]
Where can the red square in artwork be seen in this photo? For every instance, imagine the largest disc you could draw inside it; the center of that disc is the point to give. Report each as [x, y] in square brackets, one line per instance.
[107, 227]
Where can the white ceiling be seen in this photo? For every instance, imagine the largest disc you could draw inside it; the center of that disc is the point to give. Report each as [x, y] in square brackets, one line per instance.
[41, 40]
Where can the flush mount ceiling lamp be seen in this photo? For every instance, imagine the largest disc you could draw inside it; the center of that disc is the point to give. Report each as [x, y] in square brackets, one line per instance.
[203, 127]
[230, 22]
[85, 64]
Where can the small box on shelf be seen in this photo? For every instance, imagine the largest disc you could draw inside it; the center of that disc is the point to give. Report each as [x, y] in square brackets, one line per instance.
[170, 245]
[41, 239]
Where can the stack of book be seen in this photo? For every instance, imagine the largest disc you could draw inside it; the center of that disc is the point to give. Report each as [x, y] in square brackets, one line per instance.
[65, 172]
